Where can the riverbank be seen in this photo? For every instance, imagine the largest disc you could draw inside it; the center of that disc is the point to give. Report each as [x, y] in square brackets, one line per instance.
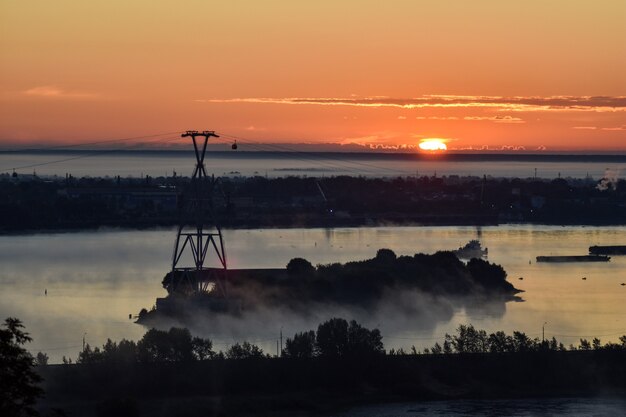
[280, 386]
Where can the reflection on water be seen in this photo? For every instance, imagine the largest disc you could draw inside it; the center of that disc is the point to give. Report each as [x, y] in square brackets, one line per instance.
[559, 407]
[95, 280]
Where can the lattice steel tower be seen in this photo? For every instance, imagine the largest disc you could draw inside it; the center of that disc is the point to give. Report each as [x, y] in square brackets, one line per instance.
[199, 234]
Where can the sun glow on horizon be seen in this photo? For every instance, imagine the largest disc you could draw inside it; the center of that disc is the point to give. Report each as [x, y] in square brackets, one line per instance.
[433, 145]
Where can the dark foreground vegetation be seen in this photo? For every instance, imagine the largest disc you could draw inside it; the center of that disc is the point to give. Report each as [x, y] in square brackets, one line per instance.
[340, 365]
[32, 203]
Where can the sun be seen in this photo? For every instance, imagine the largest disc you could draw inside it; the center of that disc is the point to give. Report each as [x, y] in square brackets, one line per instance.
[433, 145]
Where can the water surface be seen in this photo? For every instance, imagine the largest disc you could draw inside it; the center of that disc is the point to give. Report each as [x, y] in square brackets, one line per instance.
[95, 279]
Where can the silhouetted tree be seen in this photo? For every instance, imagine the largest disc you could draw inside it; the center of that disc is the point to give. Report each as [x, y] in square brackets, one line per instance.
[300, 267]
[385, 255]
[499, 342]
[469, 340]
[89, 355]
[41, 359]
[337, 338]
[18, 380]
[596, 343]
[362, 341]
[332, 337]
[490, 276]
[437, 349]
[245, 350]
[584, 344]
[301, 346]
[161, 346]
[202, 348]
[523, 343]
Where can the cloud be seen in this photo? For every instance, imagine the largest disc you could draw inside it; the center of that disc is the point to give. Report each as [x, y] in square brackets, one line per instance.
[437, 118]
[515, 103]
[53, 92]
[496, 119]
[255, 129]
[616, 128]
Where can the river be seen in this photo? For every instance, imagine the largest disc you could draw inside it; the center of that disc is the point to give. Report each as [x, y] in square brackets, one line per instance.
[281, 164]
[552, 407]
[95, 279]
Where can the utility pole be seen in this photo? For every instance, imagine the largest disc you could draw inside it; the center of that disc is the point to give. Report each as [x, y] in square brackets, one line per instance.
[84, 341]
[543, 332]
[281, 341]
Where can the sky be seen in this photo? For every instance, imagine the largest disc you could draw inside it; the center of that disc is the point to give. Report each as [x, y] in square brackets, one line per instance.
[498, 75]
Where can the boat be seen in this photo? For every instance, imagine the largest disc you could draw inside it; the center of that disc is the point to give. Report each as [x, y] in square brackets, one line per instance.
[607, 250]
[574, 258]
[472, 249]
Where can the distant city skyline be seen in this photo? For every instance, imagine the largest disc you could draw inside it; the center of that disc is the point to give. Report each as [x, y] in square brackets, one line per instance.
[484, 75]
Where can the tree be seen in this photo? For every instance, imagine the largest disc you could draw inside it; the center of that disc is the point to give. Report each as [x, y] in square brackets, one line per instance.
[499, 342]
[332, 337]
[88, 355]
[174, 345]
[596, 343]
[523, 343]
[41, 359]
[584, 344]
[246, 350]
[470, 340]
[202, 348]
[437, 349]
[18, 380]
[300, 267]
[385, 255]
[362, 341]
[337, 338]
[301, 346]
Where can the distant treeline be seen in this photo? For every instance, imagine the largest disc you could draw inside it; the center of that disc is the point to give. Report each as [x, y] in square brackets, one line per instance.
[35, 203]
[335, 338]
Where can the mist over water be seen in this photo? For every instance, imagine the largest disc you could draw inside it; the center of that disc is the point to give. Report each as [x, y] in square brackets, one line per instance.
[96, 279]
[277, 164]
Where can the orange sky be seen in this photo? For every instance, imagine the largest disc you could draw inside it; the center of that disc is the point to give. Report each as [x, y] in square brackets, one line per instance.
[477, 73]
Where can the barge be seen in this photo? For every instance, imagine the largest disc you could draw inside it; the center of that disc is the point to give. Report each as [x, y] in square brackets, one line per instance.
[574, 258]
[607, 250]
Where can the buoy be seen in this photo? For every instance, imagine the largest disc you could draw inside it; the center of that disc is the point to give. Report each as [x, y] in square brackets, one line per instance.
[584, 278]
[234, 146]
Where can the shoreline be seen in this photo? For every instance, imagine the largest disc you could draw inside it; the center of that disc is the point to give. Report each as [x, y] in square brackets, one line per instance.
[288, 226]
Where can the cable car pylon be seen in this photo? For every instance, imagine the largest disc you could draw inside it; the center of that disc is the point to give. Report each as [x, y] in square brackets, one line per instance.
[199, 241]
